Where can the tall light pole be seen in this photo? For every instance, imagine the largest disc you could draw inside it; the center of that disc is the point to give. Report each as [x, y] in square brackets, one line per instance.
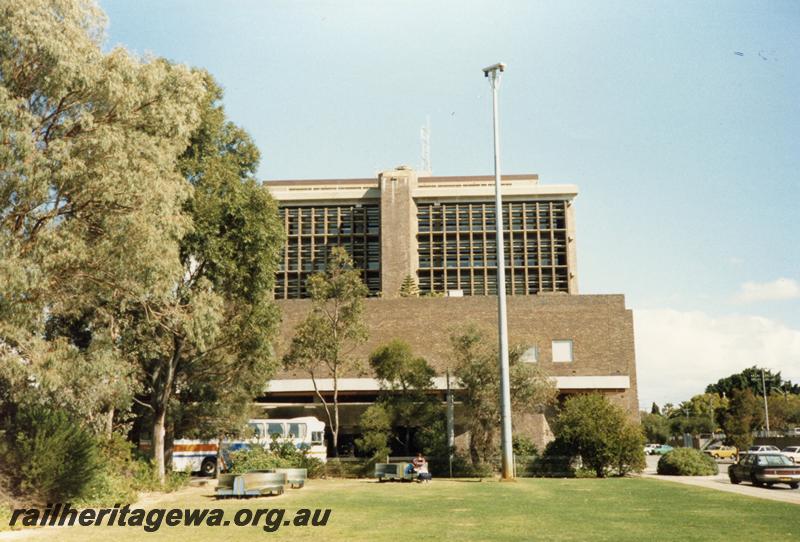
[766, 405]
[493, 74]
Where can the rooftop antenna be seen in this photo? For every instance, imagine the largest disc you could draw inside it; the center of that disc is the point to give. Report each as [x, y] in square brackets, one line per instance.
[425, 141]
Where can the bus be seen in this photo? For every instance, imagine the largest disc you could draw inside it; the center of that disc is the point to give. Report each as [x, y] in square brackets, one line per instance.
[306, 433]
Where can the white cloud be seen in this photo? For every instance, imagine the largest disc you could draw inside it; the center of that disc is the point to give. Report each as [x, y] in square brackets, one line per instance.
[781, 288]
[679, 353]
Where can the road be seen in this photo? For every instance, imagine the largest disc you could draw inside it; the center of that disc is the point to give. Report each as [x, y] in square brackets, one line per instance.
[721, 482]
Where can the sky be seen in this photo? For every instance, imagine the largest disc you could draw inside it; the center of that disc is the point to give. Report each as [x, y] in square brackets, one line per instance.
[678, 121]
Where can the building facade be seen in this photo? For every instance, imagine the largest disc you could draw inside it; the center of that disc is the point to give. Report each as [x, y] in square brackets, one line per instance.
[440, 231]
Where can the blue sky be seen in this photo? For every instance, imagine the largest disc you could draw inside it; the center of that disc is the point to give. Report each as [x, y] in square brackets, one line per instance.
[679, 122]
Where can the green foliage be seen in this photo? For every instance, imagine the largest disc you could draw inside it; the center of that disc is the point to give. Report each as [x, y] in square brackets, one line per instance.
[694, 425]
[656, 428]
[745, 413]
[476, 370]
[750, 379]
[784, 411]
[376, 426]
[336, 468]
[687, 462]
[557, 460]
[405, 380]
[323, 343]
[90, 203]
[210, 339]
[409, 287]
[524, 446]
[601, 433]
[53, 458]
[654, 409]
[279, 456]
[120, 476]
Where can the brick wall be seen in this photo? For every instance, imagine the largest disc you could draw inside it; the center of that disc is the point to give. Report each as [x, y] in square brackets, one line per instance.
[600, 327]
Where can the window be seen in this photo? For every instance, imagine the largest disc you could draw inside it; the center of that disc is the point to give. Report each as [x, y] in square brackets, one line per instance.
[258, 430]
[297, 430]
[275, 429]
[531, 355]
[562, 351]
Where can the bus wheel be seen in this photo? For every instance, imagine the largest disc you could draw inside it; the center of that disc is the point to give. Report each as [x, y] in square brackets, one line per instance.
[209, 467]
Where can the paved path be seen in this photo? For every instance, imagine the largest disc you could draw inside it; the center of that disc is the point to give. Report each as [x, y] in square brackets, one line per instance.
[721, 482]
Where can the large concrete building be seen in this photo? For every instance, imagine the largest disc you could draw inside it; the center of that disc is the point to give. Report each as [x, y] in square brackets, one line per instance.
[441, 232]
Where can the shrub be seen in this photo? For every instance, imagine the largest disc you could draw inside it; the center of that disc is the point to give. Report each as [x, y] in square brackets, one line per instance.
[53, 458]
[279, 456]
[524, 446]
[687, 462]
[557, 460]
[600, 433]
[336, 468]
[121, 476]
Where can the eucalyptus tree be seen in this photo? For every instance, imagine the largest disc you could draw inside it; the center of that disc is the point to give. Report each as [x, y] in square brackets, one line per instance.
[323, 344]
[475, 368]
[90, 201]
[207, 347]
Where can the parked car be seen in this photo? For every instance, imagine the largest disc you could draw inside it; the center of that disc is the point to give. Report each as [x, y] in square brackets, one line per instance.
[661, 449]
[718, 451]
[763, 450]
[764, 468]
[794, 432]
[649, 448]
[793, 453]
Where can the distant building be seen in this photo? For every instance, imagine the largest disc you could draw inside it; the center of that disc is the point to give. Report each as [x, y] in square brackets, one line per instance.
[441, 232]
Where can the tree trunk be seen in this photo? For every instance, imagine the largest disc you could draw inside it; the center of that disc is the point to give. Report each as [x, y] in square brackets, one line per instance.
[109, 422]
[159, 431]
[335, 428]
[162, 391]
[473, 448]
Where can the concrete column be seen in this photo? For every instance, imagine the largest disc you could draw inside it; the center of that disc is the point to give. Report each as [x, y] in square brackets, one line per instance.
[399, 255]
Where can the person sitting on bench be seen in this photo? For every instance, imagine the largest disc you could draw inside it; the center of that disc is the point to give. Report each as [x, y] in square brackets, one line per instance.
[420, 465]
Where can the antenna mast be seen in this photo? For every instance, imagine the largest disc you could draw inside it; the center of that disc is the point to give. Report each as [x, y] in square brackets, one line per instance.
[425, 141]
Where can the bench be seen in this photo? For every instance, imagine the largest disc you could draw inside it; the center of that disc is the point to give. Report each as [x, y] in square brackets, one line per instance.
[251, 484]
[294, 477]
[393, 471]
[229, 485]
[263, 483]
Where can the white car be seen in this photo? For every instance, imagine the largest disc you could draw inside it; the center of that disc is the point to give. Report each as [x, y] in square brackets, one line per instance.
[793, 453]
[648, 450]
[763, 450]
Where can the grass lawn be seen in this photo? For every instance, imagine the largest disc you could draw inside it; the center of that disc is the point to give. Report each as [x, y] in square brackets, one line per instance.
[530, 509]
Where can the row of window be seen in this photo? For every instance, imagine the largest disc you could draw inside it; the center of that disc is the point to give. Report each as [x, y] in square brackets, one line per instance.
[518, 216]
[458, 248]
[561, 350]
[519, 281]
[311, 234]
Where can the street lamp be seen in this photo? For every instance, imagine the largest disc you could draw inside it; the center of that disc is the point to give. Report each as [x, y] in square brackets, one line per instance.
[493, 74]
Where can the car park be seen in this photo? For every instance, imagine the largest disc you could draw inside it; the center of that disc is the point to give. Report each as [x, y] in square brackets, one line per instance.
[765, 469]
[793, 453]
[718, 451]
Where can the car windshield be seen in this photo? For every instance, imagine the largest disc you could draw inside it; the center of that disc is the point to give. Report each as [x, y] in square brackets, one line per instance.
[774, 460]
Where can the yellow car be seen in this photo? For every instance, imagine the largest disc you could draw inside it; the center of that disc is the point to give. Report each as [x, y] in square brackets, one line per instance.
[717, 451]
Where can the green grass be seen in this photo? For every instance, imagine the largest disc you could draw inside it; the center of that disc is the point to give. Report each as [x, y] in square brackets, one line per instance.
[460, 511]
